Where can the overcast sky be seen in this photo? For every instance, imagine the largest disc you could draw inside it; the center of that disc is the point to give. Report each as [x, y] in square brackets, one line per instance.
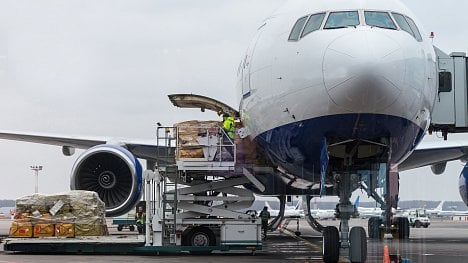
[105, 68]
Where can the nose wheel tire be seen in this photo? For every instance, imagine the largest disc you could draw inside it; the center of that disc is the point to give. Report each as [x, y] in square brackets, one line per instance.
[358, 242]
[331, 244]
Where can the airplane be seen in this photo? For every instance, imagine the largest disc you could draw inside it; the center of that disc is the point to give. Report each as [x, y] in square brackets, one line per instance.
[325, 214]
[438, 211]
[289, 211]
[330, 90]
[368, 211]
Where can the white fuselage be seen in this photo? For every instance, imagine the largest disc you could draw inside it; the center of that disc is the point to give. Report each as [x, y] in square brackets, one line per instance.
[355, 82]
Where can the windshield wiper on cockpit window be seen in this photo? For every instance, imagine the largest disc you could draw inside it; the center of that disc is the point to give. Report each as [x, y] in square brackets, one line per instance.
[338, 27]
[335, 27]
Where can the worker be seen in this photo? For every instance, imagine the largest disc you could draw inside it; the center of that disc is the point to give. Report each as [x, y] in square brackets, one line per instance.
[229, 126]
[265, 216]
[140, 218]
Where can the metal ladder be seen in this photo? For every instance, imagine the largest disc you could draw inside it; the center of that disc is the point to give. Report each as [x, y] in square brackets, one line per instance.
[169, 205]
[166, 137]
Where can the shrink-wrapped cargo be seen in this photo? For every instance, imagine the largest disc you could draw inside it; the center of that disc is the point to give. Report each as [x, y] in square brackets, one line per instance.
[189, 133]
[81, 209]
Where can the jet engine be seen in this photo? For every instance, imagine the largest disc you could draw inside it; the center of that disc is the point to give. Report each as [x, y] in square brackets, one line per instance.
[112, 172]
[462, 184]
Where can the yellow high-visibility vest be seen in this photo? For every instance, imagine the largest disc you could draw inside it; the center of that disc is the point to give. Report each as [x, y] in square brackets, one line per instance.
[229, 126]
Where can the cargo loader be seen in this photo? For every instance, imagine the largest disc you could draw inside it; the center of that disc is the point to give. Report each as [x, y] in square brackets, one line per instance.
[192, 201]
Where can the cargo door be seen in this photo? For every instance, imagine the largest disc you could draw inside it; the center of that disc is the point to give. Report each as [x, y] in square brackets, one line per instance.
[201, 102]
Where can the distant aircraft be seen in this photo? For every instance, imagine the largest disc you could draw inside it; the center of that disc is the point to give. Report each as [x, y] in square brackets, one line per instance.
[289, 211]
[325, 214]
[368, 211]
[330, 90]
[438, 211]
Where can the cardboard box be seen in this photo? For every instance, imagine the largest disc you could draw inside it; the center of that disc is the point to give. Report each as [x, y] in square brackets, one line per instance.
[43, 230]
[21, 229]
[88, 229]
[65, 230]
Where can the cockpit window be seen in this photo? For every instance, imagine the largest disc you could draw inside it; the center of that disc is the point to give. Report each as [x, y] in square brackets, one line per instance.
[400, 19]
[342, 19]
[408, 25]
[379, 19]
[313, 24]
[415, 29]
[296, 30]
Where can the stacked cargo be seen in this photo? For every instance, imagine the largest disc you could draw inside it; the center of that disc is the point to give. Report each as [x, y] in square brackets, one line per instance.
[77, 213]
[188, 134]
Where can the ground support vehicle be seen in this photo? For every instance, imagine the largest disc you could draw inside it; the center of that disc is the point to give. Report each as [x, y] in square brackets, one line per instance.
[123, 222]
[418, 218]
[191, 205]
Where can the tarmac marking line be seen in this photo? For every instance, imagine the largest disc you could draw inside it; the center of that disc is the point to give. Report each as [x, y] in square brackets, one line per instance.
[307, 242]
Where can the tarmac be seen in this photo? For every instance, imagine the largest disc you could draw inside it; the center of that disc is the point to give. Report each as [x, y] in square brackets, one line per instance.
[443, 241]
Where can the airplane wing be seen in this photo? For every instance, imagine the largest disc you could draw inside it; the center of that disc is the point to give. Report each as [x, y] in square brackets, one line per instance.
[427, 153]
[143, 149]
[430, 153]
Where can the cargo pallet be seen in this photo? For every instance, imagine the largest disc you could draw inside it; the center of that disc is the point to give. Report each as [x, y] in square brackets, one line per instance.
[182, 213]
[130, 245]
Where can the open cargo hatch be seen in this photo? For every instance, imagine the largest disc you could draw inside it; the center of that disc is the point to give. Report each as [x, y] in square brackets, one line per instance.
[201, 102]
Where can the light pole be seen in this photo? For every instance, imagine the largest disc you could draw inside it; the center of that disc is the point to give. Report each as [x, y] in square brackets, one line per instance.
[36, 169]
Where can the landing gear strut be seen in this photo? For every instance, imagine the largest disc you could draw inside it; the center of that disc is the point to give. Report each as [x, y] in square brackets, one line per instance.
[273, 225]
[353, 244]
[343, 242]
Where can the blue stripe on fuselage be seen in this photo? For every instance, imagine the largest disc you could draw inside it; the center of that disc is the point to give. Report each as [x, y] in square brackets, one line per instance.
[296, 146]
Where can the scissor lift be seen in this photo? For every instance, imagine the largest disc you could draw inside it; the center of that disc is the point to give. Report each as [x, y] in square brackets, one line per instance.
[194, 201]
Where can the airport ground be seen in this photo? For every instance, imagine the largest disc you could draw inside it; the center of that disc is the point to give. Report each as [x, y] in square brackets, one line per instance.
[443, 241]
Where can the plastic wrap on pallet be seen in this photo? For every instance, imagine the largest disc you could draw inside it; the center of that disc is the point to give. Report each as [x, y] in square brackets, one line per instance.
[189, 132]
[75, 202]
[83, 209]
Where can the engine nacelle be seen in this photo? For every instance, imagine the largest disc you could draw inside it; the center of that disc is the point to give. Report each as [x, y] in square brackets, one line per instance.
[438, 168]
[462, 184]
[112, 172]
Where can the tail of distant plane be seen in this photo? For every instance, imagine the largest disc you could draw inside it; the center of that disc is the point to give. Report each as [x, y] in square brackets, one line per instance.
[268, 205]
[439, 207]
[356, 202]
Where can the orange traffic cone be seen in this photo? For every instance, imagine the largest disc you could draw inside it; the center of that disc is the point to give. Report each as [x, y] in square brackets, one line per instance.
[386, 255]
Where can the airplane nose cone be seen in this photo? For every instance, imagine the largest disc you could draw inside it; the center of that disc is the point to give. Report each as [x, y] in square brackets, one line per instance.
[364, 71]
